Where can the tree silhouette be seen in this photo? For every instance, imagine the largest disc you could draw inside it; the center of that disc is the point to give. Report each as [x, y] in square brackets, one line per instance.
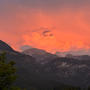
[7, 74]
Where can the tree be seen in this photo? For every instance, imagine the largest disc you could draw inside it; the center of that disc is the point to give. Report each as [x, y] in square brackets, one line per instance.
[7, 74]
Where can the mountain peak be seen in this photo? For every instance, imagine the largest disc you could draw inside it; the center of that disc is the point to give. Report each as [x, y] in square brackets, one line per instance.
[35, 51]
[4, 46]
[40, 55]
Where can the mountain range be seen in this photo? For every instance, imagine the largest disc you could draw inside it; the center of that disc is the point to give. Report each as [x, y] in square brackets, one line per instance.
[40, 55]
[79, 52]
[39, 68]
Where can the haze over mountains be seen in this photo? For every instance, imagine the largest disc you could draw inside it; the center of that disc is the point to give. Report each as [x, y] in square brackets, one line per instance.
[40, 55]
[55, 71]
[78, 52]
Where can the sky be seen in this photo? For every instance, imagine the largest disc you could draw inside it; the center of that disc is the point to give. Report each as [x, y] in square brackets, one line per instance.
[52, 25]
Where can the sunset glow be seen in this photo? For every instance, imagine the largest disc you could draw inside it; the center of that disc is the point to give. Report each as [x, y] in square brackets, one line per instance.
[62, 29]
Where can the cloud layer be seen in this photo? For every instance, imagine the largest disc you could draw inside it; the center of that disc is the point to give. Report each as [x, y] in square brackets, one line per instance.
[52, 25]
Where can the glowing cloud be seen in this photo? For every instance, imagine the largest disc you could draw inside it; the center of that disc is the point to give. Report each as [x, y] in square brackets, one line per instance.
[45, 27]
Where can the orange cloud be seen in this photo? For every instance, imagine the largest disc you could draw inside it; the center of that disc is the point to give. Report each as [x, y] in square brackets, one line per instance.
[69, 29]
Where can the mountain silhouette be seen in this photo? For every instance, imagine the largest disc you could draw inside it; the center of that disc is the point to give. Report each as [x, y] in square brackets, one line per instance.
[25, 65]
[29, 71]
[4, 46]
[58, 71]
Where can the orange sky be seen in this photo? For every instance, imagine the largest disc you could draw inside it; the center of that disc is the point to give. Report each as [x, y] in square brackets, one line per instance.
[59, 30]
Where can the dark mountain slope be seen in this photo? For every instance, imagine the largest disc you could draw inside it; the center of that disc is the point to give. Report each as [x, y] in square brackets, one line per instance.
[4, 46]
[52, 73]
[26, 66]
[29, 71]
[70, 71]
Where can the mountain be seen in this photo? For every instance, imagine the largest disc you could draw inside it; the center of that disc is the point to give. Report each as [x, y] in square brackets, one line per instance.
[40, 55]
[29, 71]
[69, 70]
[56, 72]
[78, 52]
[25, 65]
[4, 46]
[73, 55]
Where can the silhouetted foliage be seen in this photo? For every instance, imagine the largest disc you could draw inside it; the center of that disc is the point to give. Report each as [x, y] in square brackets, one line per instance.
[7, 74]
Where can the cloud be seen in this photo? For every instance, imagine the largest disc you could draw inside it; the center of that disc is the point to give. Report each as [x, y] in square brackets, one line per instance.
[25, 47]
[47, 33]
[27, 22]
